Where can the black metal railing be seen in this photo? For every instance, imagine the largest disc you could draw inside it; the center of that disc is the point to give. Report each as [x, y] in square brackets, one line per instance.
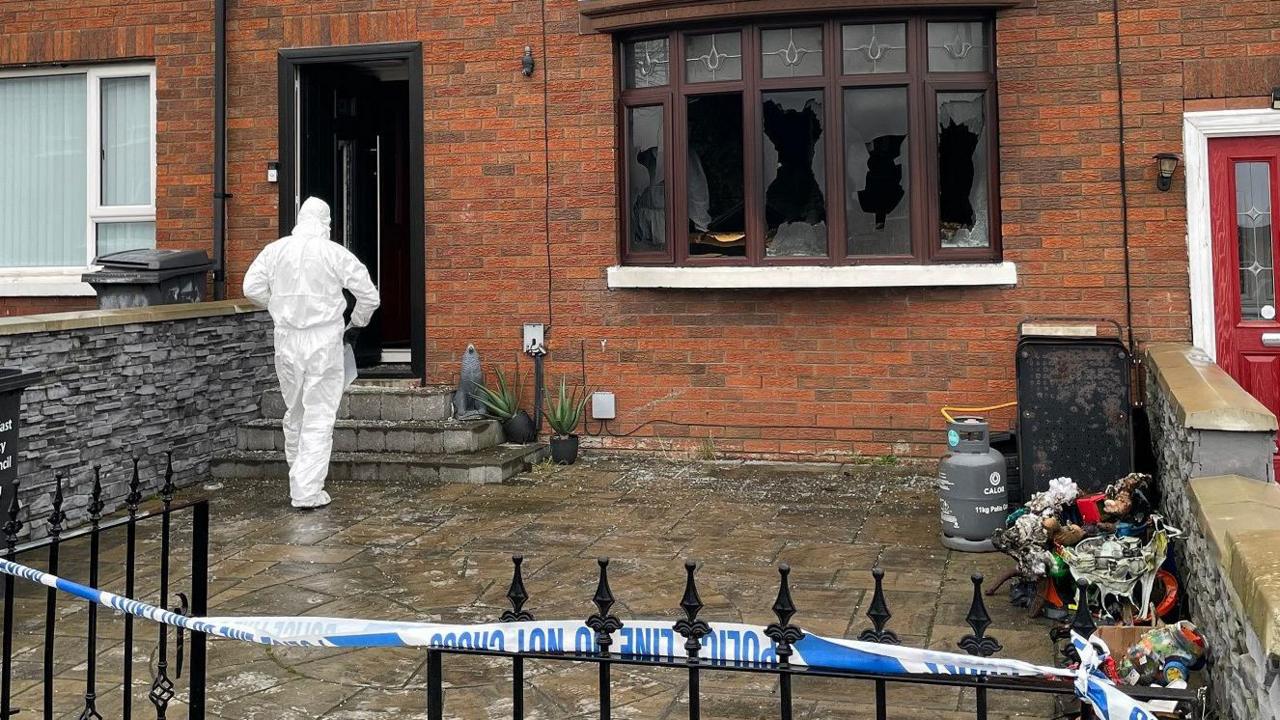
[785, 634]
[162, 687]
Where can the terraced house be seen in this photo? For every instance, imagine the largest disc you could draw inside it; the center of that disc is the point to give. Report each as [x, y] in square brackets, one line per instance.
[779, 227]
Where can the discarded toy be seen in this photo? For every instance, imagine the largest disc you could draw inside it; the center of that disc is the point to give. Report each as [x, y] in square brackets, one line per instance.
[1163, 655]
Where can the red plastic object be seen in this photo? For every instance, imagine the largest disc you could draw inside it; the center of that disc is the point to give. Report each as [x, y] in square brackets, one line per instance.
[1091, 508]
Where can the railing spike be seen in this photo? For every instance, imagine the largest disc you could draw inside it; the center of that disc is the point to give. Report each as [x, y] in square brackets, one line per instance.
[13, 525]
[979, 643]
[134, 498]
[167, 491]
[879, 614]
[601, 621]
[56, 514]
[517, 595]
[783, 633]
[690, 627]
[95, 496]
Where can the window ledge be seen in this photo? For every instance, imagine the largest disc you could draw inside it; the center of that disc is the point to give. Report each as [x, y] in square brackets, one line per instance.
[44, 282]
[634, 276]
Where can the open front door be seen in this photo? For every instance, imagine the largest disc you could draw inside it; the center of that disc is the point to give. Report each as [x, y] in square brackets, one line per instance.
[1244, 187]
[351, 135]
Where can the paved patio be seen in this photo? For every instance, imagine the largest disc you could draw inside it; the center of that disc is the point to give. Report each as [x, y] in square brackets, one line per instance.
[442, 553]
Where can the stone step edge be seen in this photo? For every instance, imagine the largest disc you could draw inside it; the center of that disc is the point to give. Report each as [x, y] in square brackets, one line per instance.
[380, 390]
[503, 454]
[474, 426]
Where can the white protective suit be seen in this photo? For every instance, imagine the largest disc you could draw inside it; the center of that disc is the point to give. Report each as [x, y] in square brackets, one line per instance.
[299, 279]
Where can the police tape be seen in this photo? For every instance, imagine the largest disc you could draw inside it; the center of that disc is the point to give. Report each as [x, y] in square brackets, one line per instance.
[649, 639]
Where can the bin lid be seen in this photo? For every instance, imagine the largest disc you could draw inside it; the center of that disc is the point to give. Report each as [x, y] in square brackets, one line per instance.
[148, 259]
[12, 379]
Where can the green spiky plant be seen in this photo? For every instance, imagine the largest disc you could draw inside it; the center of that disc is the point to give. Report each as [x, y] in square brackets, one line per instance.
[501, 402]
[564, 413]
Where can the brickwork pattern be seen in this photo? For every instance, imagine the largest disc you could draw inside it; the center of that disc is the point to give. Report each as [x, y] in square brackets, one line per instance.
[521, 208]
[1238, 675]
[110, 394]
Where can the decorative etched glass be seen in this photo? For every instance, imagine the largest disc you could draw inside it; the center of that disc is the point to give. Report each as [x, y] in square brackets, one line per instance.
[646, 180]
[791, 52]
[1254, 235]
[794, 168]
[717, 56]
[876, 48]
[646, 63]
[963, 199]
[877, 184]
[715, 195]
[958, 47]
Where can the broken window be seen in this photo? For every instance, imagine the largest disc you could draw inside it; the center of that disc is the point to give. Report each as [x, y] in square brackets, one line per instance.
[714, 183]
[876, 152]
[818, 142]
[962, 170]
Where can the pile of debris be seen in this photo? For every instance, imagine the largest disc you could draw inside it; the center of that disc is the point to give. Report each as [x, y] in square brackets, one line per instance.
[1118, 545]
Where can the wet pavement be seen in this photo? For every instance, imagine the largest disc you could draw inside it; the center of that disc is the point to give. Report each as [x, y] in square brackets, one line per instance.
[442, 553]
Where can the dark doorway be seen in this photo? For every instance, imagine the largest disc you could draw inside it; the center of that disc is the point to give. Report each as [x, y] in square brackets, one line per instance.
[351, 134]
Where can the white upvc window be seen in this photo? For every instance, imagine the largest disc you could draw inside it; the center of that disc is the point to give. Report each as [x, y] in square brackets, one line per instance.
[77, 172]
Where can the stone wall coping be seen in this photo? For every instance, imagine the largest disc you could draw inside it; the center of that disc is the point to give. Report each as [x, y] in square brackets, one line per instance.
[1206, 397]
[54, 322]
[1240, 517]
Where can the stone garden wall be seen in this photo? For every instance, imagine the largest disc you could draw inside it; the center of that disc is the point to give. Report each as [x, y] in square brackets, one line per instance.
[1214, 445]
[137, 382]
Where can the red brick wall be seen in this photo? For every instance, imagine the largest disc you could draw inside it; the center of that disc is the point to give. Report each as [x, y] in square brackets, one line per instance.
[33, 305]
[769, 373]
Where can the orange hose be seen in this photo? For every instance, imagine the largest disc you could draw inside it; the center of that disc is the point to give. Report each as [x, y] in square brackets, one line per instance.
[946, 409]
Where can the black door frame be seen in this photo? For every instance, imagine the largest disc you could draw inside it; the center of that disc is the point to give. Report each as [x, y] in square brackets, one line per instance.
[411, 53]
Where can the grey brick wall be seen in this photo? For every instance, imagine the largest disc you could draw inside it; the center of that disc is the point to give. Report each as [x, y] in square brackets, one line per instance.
[1241, 686]
[113, 393]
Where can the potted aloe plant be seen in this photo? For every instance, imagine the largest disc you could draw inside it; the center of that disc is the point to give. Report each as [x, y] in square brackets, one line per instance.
[502, 403]
[563, 415]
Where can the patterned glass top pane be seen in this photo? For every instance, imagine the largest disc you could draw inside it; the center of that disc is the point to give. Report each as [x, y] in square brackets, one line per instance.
[717, 56]
[646, 63]
[791, 52]
[957, 46]
[1254, 234]
[874, 48]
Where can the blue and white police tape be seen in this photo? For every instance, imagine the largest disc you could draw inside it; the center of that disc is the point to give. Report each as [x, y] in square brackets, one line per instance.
[730, 642]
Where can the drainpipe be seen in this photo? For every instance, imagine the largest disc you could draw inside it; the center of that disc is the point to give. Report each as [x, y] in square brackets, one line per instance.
[220, 149]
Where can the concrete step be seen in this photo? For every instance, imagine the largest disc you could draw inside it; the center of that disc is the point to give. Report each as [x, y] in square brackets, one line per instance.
[494, 465]
[376, 402]
[397, 436]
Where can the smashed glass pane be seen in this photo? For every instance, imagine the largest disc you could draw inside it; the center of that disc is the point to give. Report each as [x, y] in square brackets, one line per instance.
[957, 47]
[793, 52]
[963, 170]
[713, 57]
[880, 48]
[716, 222]
[877, 210]
[646, 184]
[794, 174]
[1253, 233]
[646, 63]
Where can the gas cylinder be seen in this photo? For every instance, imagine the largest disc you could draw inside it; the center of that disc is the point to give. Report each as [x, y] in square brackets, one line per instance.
[971, 487]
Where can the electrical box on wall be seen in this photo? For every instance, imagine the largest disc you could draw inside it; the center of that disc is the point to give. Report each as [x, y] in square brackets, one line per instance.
[534, 340]
[273, 171]
[602, 406]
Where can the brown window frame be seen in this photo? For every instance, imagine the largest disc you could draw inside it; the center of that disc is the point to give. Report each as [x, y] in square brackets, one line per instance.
[921, 165]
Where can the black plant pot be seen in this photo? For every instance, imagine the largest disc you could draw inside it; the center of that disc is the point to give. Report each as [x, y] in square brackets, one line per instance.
[519, 428]
[564, 449]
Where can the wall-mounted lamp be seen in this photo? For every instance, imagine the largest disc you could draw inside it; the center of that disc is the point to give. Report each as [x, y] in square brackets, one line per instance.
[1275, 98]
[526, 62]
[1166, 163]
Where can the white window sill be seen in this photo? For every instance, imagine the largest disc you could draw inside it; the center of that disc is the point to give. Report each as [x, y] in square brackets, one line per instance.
[44, 282]
[852, 276]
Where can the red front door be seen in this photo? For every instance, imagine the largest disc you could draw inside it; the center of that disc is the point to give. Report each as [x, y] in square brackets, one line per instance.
[1244, 194]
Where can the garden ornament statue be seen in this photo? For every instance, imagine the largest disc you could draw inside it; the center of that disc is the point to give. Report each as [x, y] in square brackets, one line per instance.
[465, 404]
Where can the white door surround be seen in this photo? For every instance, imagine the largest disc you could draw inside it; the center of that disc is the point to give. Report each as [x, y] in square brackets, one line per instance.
[1197, 128]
